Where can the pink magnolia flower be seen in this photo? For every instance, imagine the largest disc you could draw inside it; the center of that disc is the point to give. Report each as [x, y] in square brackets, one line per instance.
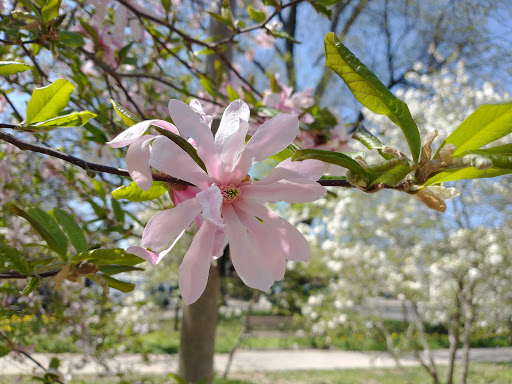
[289, 102]
[227, 201]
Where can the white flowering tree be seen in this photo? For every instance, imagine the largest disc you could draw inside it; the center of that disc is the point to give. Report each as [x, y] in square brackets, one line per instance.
[449, 269]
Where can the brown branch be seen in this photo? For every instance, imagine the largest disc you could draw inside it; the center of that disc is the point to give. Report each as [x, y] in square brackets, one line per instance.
[257, 26]
[17, 275]
[16, 113]
[88, 166]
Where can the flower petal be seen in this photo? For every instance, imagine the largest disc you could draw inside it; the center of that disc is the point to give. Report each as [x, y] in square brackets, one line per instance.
[193, 271]
[294, 244]
[135, 131]
[272, 137]
[192, 125]
[168, 157]
[292, 191]
[165, 226]
[269, 245]
[288, 169]
[230, 136]
[153, 257]
[247, 261]
[137, 161]
[219, 243]
[211, 202]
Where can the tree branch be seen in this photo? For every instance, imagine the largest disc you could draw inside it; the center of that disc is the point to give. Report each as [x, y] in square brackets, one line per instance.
[87, 166]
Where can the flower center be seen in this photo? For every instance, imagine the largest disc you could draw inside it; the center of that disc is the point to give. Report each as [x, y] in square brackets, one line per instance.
[230, 193]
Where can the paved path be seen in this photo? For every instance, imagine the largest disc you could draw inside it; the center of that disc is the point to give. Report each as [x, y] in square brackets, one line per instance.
[244, 361]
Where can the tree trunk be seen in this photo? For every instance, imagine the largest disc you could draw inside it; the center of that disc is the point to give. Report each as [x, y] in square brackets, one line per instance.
[454, 339]
[198, 333]
[197, 343]
[466, 336]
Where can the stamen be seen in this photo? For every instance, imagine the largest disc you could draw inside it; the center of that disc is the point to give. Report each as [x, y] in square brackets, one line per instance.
[230, 193]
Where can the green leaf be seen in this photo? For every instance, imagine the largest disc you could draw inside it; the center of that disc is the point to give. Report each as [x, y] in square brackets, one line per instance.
[13, 259]
[54, 363]
[31, 6]
[501, 157]
[4, 349]
[128, 117]
[46, 227]
[12, 67]
[183, 144]
[274, 86]
[51, 10]
[133, 193]
[118, 284]
[47, 102]
[370, 91]
[71, 39]
[90, 30]
[364, 136]
[75, 119]
[73, 231]
[232, 94]
[115, 269]
[487, 124]
[389, 172]
[286, 153]
[257, 16]
[224, 20]
[283, 35]
[118, 211]
[107, 256]
[32, 285]
[177, 378]
[342, 159]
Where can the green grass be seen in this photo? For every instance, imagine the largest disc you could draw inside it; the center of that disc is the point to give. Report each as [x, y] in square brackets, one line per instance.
[166, 339]
[481, 373]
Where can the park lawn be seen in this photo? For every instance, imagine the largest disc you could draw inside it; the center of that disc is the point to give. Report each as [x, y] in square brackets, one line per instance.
[480, 373]
[165, 339]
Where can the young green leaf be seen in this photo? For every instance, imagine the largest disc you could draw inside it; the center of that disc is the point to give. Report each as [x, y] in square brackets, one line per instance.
[501, 157]
[107, 256]
[73, 231]
[47, 102]
[71, 39]
[118, 284]
[257, 16]
[12, 67]
[342, 159]
[13, 259]
[133, 193]
[32, 285]
[487, 124]
[46, 227]
[118, 211]
[75, 119]
[128, 117]
[370, 91]
[389, 172]
[364, 136]
[51, 10]
[232, 94]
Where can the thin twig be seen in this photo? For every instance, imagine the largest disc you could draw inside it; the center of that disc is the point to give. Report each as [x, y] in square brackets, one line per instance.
[88, 166]
[16, 113]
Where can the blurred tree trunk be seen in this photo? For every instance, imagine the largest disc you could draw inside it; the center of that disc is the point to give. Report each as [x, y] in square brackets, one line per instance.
[197, 342]
[198, 333]
[454, 339]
